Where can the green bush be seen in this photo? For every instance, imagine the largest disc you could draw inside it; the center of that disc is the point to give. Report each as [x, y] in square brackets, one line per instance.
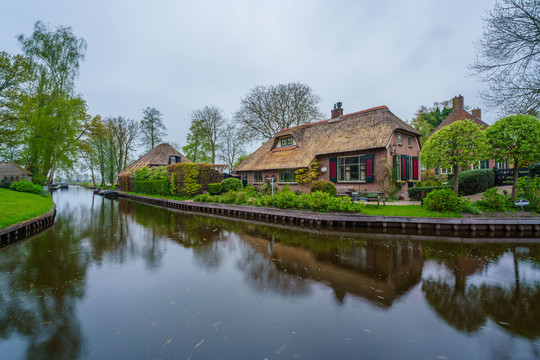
[190, 178]
[323, 186]
[214, 188]
[152, 187]
[534, 169]
[492, 200]
[415, 193]
[26, 186]
[474, 181]
[472, 208]
[444, 200]
[529, 189]
[231, 183]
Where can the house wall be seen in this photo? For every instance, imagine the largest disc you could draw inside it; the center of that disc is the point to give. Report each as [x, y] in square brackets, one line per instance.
[11, 173]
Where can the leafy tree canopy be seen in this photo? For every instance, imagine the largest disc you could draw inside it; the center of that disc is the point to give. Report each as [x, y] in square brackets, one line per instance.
[426, 119]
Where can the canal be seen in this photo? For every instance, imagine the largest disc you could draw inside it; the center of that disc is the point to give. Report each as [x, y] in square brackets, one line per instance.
[116, 279]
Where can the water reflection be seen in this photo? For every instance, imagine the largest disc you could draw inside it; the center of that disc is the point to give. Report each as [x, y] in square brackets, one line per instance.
[108, 268]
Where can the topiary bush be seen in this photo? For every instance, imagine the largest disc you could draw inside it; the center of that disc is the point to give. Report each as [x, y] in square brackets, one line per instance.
[231, 183]
[214, 188]
[534, 169]
[444, 200]
[26, 186]
[324, 186]
[474, 181]
[415, 193]
[492, 200]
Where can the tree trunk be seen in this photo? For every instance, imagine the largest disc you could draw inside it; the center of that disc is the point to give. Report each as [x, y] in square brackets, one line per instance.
[456, 179]
[516, 175]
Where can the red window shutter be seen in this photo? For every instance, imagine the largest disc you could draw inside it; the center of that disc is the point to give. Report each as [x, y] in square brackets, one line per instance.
[404, 167]
[333, 169]
[369, 167]
[415, 168]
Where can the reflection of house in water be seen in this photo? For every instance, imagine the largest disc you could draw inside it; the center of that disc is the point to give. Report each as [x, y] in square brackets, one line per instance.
[379, 272]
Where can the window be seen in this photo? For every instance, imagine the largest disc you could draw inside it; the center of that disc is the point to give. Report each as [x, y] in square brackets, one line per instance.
[410, 141]
[399, 138]
[484, 164]
[257, 176]
[174, 159]
[446, 171]
[286, 176]
[287, 141]
[351, 168]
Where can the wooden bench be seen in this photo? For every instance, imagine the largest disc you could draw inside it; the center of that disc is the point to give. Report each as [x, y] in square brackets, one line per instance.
[367, 196]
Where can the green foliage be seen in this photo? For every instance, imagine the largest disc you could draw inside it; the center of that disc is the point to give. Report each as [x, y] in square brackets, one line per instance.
[191, 179]
[240, 159]
[426, 120]
[415, 193]
[529, 189]
[4, 182]
[214, 188]
[444, 201]
[516, 138]
[472, 208]
[26, 186]
[172, 184]
[494, 201]
[152, 187]
[459, 144]
[474, 181]
[323, 186]
[140, 174]
[309, 174]
[231, 184]
[534, 169]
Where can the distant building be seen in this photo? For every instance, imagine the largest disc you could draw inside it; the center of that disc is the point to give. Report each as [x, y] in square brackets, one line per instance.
[350, 147]
[11, 172]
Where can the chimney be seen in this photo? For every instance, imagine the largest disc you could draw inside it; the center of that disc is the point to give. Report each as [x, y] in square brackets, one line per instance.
[477, 113]
[457, 103]
[337, 111]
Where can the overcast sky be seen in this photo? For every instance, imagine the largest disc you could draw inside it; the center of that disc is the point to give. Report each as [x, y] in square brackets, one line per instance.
[178, 56]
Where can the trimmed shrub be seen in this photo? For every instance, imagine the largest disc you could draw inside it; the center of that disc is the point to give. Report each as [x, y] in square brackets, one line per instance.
[534, 169]
[474, 181]
[444, 200]
[26, 186]
[152, 187]
[323, 186]
[529, 189]
[214, 188]
[492, 200]
[415, 193]
[231, 184]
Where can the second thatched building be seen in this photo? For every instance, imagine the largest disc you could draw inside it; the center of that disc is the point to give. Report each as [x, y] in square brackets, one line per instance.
[359, 151]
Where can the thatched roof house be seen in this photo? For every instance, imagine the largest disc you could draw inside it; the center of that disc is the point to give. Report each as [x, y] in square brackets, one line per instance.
[11, 172]
[162, 155]
[348, 146]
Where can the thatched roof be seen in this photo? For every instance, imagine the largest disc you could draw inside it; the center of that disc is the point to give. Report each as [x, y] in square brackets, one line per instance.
[158, 156]
[459, 113]
[363, 130]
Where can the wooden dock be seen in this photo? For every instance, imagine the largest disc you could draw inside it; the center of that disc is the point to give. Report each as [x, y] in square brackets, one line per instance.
[509, 227]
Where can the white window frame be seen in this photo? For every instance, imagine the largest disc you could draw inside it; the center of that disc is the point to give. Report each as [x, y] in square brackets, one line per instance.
[341, 164]
[280, 172]
[257, 181]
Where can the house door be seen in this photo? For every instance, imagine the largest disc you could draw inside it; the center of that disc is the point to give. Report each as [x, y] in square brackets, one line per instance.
[244, 178]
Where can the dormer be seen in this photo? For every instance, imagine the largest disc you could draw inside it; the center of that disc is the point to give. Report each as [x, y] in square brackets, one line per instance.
[284, 142]
[173, 159]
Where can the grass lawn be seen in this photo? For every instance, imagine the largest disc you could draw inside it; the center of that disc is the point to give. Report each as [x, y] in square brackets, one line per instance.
[18, 206]
[404, 210]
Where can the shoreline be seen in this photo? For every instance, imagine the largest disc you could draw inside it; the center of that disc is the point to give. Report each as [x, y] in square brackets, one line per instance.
[27, 228]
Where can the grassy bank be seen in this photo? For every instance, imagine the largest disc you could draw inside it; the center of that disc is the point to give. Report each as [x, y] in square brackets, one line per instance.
[18, 206]
[404, 210]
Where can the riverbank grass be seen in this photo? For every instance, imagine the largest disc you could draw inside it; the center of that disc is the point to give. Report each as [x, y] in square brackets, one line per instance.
[18, 206]
[405, 210]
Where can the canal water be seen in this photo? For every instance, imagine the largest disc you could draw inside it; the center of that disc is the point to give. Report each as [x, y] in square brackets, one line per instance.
[115, 279]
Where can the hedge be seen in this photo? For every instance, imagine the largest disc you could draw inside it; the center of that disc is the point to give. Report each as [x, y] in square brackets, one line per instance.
[324, 186]
[191, 179]
[534, 169]
[152, 187]
[474, 181]
[415, 193]
[26, 186]
[231, 183]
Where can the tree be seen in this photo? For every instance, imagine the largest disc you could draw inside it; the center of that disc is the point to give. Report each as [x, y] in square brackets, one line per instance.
[264, 111]
[152, 128]
[196, 150]
[426, 119]
[206, 127]
[508, 56]
[231, 145]
[240, 159]
[457, 145]
[516, 138]
[54, 117]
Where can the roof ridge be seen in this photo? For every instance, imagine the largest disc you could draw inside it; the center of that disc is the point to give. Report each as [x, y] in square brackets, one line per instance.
[382, 107]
